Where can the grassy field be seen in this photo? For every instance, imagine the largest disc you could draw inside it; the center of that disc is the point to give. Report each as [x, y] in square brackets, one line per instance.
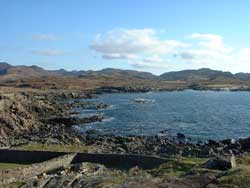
[10, 165]
[13, 185]
[239, 177]
[177, 167]
[53, 147]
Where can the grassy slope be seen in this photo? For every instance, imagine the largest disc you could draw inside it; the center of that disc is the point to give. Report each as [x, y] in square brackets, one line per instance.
[4, 166]
[239, 177]
[179, 167]
[53, 147]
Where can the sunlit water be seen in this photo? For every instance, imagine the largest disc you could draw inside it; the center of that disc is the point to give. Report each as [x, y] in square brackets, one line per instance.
[200, 115]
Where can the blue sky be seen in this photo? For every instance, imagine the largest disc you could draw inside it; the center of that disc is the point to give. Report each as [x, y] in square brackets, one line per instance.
[147, 35]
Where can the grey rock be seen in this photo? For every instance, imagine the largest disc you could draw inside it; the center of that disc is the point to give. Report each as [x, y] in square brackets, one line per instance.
[218, 164]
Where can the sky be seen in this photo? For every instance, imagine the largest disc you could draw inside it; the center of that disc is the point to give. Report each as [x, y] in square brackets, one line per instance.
[147, 35]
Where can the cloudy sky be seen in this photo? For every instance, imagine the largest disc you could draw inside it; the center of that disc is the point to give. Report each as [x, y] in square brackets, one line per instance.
[148, 35]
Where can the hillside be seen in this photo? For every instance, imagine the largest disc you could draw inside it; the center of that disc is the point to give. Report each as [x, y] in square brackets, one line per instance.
[4, 67]
[39, 78]
[243, 76]
[204, 74]
[122, 73]
[184, 75]
[11, 72]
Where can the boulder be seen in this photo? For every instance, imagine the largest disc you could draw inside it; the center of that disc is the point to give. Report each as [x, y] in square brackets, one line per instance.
[213, 143]
[70, 121]
[218, 164]
[245, 144]
[180, 136]
[89, 168]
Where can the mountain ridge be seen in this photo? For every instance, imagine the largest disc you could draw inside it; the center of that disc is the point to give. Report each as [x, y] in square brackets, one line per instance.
[203, 74]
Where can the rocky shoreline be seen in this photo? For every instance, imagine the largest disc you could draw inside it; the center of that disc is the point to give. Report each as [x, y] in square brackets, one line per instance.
[51, 121]
[47, 119]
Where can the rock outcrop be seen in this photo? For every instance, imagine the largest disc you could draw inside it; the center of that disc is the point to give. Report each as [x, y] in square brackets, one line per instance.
[15, 116]
[218, 164]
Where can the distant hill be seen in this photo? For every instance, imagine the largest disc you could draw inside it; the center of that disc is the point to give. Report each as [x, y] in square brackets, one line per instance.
[123, 73]
[4, 68]
[35, 71]
[9, 72]
[243, 76]
[64, 72]
[197, 75]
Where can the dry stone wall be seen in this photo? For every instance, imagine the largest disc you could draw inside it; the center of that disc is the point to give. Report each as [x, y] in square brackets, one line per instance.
[27, 157]
[44, 161]
[20, 174]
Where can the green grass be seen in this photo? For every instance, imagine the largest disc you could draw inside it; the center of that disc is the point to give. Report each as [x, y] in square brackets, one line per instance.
[178, 167]
[13, 185]
[239, 177]
[193, 160]
[4, 166]
[117, 179]
[236, 179]
[53, 147]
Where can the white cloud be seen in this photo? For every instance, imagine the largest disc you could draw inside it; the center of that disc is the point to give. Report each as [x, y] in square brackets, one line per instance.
[134, 41]
[212, 52]
[153, 59]
[144, 48]
[244, 55]
[187, 55]
[212, 42]
[49, 52]
[139, 45]
[209, 50]
[148, 65]
[209, 46]
[45, 37]
[120, 56]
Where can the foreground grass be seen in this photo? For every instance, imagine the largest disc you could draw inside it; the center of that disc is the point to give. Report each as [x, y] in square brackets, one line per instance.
[53, 147]
[177, 167]
[234, 178]
[13, 185]
[5, 166]
[239, 177]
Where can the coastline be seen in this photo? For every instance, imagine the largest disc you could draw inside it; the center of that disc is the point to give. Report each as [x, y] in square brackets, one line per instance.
[60, 123]
[51, 130]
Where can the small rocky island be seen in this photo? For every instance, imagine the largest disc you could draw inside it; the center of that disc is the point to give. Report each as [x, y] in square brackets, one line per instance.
[143, 101]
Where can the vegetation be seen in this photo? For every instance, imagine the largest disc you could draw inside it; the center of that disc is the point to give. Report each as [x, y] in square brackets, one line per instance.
[36, 80]
[237, 178]
[178, 167]
[41, 79]
[4, 166]
[13, 185]
[53, 147]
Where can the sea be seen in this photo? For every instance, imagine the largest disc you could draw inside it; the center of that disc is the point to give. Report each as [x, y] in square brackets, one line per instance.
[199, 115]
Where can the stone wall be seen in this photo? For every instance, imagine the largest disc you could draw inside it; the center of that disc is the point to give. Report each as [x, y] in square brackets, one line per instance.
[43, 161]
[110, 160]
[20, 174]
[122, 161]
[27, 157]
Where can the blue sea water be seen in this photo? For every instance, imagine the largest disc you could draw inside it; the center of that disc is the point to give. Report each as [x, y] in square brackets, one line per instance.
[200, 115]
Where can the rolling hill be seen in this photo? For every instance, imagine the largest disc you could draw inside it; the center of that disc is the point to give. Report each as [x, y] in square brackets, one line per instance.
[203, 74]
[9, 72]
